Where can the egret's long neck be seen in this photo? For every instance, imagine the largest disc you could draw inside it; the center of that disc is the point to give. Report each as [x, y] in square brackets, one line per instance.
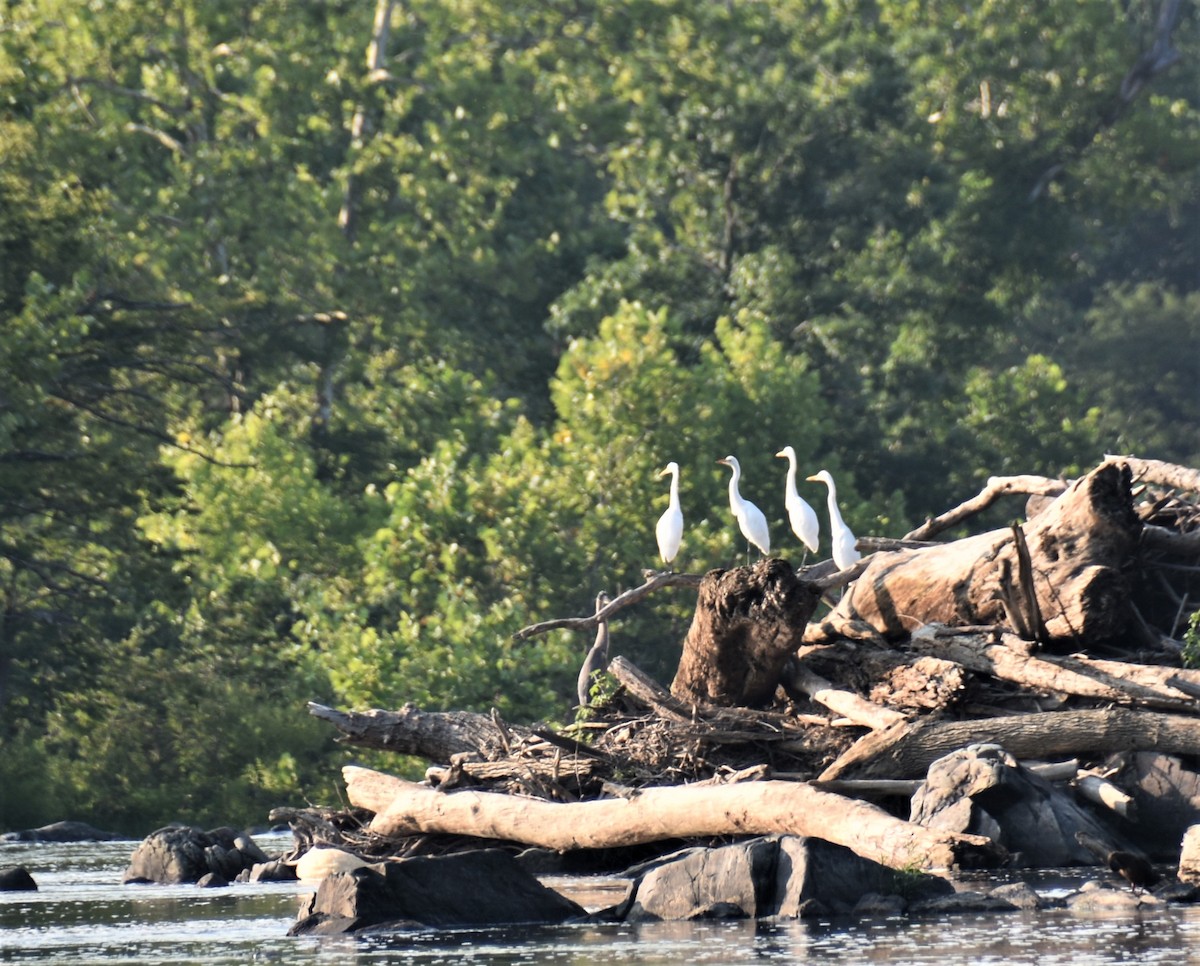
[675, 488]
[834, 513]
[791, 475]
[735, 498]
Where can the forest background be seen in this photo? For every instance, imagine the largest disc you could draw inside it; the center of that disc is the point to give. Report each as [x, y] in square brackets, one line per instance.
[341, 341]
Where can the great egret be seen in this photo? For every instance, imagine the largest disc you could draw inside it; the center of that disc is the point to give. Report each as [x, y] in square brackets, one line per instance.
[802, 516]
[845, 553]
[749, 517]
[669, 530]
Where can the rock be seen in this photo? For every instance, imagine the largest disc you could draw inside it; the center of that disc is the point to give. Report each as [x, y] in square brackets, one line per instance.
[967, 901]
[1020, 895]
[62, 832]
[481, 888]
[16, 879]
[1098, 897]
[213, 880]
[274, 870]
[184, 854]
[787, 876]
[1189, 855]
[322, 861]
[873, 905]
[983, 790]
[1167, 798]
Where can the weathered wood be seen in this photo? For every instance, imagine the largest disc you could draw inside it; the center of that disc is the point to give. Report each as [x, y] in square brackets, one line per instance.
[997, 486]
[632, 596]
[1078, 547]
[1103, 792]
[906, 750]
[747, 622]
[659, 814]
[846, 703]
[1008, 661]
[432, 735]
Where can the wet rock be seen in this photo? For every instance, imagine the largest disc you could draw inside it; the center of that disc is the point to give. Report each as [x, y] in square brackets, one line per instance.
[184, 854]
[783, 876]
[1020, 895]
[983, 790]
[967, 901]
[877, 906]
[322, 861]
[1189, 855]
[213, 880]
[62, 832]
[1101, 897]
[481, 888]
[16, 879]
[274, 870]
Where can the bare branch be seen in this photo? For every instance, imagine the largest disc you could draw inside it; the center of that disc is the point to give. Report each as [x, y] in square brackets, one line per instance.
[618, 603]
[997, 486]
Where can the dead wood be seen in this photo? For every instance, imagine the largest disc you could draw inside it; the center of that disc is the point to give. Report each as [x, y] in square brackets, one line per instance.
[432, 735]
[1077, 549]
[748, 621]
[846, 703]
[906, 750]
[618, 603]
[997, 486]
[1006, 657]
[662, 814]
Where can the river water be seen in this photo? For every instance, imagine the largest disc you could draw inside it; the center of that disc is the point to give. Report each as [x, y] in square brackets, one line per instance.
[82, 914]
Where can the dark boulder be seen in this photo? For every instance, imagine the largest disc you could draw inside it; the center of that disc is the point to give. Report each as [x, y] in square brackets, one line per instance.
[62, 832]
[787, 876]
[983, 790]
[16, 879]
[481, 888]
[184, 854]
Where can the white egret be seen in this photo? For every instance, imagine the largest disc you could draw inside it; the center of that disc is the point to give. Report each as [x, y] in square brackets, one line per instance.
[845, 553]
[749, 517]
[669, 530]
[802, 516]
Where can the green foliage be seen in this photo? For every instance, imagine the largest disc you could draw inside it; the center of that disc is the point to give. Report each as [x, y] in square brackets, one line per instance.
[322, 381]
[1191, 641]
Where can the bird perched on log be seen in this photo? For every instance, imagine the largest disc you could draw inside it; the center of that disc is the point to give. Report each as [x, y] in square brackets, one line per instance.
[749, 517]
[669, 530]
[845, 553]
[1134, 869]
[802, 516]
[597, 657]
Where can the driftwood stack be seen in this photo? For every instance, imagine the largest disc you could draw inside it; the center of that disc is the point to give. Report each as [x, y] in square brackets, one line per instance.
[1052, 648]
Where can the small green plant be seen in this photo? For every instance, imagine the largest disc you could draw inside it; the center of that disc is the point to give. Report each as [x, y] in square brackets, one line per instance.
[1191, 642]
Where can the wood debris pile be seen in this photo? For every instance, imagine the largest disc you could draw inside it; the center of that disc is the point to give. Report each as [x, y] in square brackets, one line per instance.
[1061, 638]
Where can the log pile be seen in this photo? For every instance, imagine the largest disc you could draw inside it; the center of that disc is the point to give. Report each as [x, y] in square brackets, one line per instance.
[1058, 639]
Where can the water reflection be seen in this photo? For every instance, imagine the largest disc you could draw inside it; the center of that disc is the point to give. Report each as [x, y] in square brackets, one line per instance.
[82, 915]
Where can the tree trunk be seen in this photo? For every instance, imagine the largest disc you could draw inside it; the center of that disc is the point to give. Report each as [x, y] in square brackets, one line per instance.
[1077, 547]
[907, 750]
[433, 735]
[747, 622]
[665, 813]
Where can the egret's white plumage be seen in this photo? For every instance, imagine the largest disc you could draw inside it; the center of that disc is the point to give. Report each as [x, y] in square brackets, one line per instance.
[845, 553]
[669, 530]
[802, 516]
[749, 517]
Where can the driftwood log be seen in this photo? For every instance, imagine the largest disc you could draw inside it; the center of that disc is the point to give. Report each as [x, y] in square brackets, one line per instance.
[1076, 547]
[666, 813]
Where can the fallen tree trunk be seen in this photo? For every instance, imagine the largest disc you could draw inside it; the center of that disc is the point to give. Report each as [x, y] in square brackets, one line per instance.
[665, 813]
[432, 735]
[1077, 548]
[1008, 661]
[747, 622]
[907, 750]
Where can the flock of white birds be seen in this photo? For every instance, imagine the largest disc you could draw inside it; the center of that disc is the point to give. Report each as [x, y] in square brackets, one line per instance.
[753, 522]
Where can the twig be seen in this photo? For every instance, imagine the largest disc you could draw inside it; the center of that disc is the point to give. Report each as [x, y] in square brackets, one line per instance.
[997, 486]
[620, 602]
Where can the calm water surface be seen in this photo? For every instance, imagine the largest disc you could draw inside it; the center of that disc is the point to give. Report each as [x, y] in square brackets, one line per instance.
[82, 914]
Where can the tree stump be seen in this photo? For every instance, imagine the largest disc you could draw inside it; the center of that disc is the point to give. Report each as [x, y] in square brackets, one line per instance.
[748, 621]
[1077, 547]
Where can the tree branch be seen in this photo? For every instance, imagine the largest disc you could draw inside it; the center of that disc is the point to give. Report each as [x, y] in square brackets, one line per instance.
[618, 603]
